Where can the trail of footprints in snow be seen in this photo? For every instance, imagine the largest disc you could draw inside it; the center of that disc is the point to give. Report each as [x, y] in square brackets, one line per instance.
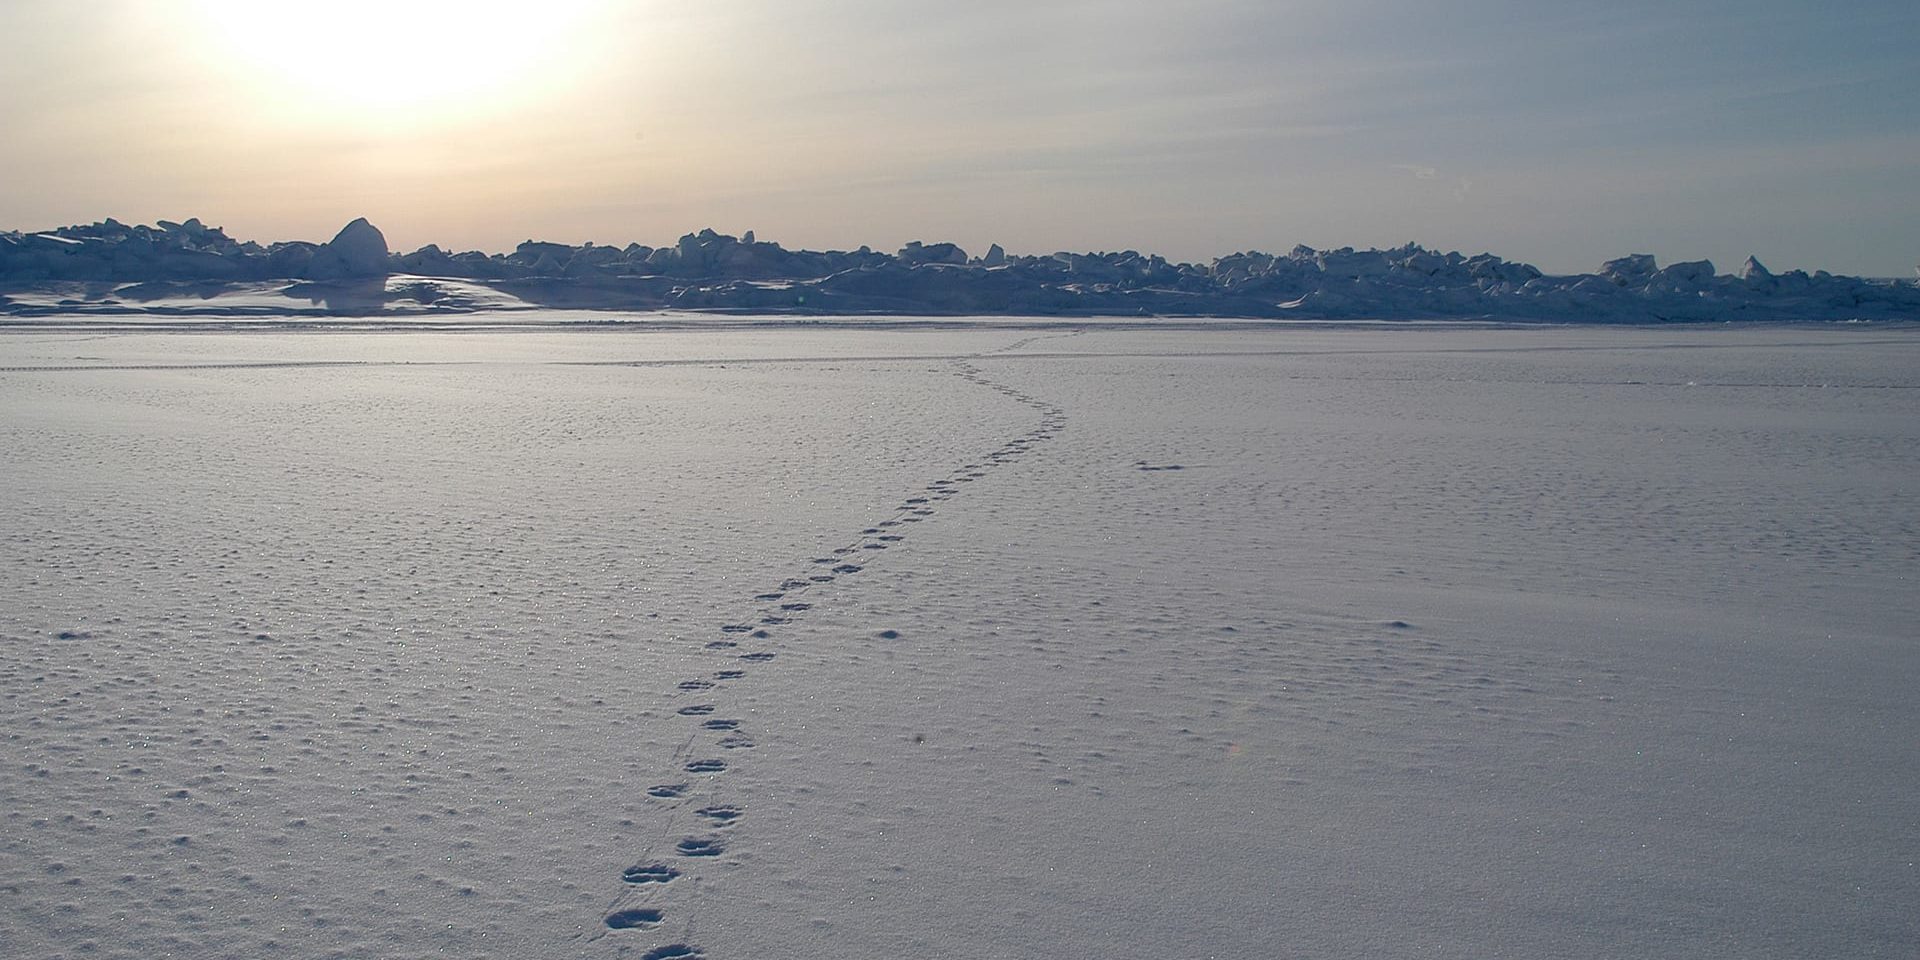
[744, 642]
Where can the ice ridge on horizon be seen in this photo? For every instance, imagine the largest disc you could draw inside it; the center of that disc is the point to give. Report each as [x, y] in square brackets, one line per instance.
[714, 271]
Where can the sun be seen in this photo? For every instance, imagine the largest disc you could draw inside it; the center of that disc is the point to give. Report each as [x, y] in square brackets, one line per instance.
[393, 54]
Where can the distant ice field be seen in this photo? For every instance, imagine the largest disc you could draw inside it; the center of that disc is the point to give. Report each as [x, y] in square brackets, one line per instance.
[995, 640]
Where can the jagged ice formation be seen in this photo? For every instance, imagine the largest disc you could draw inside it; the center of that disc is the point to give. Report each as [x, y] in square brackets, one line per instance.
[110, 264]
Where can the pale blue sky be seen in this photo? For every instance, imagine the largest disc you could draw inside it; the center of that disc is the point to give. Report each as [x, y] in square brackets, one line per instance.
[1686, 129]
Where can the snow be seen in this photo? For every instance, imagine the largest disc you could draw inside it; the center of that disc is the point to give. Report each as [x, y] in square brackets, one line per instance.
[1213, 641]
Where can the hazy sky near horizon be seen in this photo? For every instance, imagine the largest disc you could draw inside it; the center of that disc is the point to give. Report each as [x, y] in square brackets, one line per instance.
[1559, 135]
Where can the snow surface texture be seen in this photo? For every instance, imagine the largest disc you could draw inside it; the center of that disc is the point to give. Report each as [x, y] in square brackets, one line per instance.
[1567, 643]
[174, 268]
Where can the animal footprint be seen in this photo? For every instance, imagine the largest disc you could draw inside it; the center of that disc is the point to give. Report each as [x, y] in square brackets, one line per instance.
[761, 657]
[668, 791]
[673, 951]
[637, 918]
[696, 684]
[649, 873]
[706, 766]
[722, 814]
[700, 847]
[722, 724]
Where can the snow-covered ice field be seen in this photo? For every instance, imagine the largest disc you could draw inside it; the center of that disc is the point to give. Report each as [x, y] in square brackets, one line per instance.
[973, 642]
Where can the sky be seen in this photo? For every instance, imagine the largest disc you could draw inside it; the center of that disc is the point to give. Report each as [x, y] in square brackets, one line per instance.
[1561, 135]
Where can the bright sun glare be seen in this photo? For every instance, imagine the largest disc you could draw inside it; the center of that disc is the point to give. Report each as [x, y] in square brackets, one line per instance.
[395, 54]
